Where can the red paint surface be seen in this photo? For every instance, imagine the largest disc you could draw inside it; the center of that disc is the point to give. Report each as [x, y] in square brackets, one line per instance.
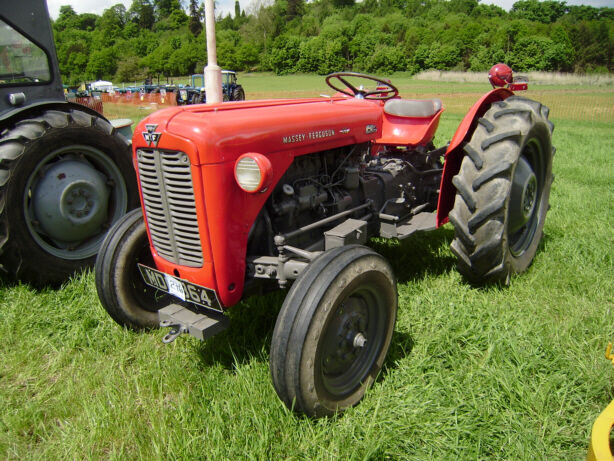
[218, 135]
[454, 153]
[408, 131]
[215, 136]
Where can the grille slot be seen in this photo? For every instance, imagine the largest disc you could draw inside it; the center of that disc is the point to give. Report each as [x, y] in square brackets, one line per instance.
[170, 208]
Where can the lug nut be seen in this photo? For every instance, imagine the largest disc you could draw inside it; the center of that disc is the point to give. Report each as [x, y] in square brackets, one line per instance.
[359, 340]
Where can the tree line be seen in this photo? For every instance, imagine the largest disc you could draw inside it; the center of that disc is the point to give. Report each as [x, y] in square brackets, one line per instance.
[166, 37]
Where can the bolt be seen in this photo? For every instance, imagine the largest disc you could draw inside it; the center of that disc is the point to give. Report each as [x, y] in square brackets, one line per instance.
[69, 201]
[359, 340]
[79, 214]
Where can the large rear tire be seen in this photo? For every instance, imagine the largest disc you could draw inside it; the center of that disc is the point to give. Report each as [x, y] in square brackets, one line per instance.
[238, 94]
[503, 188]
[65, 178]
[121, 289]
[333, 331]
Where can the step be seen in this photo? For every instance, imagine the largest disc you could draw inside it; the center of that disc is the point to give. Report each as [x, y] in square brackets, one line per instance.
[420, 222]
[198, 324]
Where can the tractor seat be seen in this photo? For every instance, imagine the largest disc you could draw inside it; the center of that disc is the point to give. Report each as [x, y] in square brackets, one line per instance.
[412, 107]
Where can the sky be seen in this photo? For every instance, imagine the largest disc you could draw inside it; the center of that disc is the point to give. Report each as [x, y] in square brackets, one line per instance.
[227, 6]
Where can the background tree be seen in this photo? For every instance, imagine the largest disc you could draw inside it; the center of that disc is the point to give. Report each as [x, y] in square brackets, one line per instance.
[196, 17]
[159, 37]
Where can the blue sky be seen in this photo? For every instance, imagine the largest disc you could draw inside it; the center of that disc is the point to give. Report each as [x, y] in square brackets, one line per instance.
[225, 6]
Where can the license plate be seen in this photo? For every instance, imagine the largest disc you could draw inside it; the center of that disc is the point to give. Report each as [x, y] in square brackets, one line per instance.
[182, 289]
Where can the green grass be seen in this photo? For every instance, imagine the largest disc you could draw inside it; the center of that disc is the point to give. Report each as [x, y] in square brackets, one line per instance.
[512, 373]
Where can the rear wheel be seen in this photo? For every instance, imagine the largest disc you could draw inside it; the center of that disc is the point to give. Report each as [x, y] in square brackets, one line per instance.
[238, 94]
[65, 178]
[333, 331]
[503, 188]
[121, 289]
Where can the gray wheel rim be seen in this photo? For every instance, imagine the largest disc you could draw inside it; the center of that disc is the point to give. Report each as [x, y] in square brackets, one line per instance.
[526, 197]
[352, 341]
[92, 163]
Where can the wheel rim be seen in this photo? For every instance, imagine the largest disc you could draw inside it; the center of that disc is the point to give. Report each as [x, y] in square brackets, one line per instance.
[352, 341]
[525, 199]
[71, 199]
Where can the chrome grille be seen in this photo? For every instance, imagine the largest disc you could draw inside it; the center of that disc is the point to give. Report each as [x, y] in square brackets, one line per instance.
[170, 209]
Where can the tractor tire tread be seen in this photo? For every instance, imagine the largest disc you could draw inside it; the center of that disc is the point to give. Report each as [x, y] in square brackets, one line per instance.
[479, 212]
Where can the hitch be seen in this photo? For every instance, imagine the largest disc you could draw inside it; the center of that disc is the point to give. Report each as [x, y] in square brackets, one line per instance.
[182, 320]
[176, 330]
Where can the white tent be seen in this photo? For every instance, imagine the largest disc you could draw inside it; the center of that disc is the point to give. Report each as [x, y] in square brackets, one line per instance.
[101, 85]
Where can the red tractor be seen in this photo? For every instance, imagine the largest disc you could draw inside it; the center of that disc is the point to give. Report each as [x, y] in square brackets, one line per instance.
[245, 196]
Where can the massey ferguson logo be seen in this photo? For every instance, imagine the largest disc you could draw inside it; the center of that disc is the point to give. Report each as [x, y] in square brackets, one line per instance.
[150, 136]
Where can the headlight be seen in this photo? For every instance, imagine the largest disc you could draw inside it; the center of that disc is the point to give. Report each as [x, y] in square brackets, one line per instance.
[253, 172]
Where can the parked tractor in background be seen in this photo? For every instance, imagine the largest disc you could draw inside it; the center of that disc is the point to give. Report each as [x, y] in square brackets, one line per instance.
[65, 172]
[242, 197]
[195, 93]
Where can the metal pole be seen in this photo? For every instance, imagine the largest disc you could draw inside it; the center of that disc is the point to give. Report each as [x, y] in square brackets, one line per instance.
[213, 72]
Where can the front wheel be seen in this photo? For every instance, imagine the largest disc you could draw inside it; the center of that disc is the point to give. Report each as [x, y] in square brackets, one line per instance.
[121, 290]
[333, 331]
[503, 188]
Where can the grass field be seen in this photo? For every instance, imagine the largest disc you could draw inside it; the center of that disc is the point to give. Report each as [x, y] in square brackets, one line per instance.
[512, 373]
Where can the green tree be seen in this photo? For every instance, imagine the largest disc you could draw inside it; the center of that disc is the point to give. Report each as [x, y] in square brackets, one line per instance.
[141, 12]
[196, 17]
[102, 63]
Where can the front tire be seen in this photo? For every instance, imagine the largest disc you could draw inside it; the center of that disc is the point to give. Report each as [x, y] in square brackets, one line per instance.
[65, 178]
[503, 188]
[121, 289]
[333, 331]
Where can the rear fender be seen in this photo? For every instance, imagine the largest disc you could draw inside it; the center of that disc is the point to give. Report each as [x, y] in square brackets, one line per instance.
[455, 153]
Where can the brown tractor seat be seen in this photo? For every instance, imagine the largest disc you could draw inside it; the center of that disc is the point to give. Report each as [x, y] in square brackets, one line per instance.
[412, 107]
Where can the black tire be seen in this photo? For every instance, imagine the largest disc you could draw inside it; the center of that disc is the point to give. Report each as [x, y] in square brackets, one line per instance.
[43, 160]
[238, 94]
[316, 364]
[121, 290]
[503, 188]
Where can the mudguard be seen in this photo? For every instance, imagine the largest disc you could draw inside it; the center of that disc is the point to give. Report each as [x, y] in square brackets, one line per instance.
[455, 154]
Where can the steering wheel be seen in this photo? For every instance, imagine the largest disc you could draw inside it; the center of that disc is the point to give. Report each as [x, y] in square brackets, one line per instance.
[379, 94]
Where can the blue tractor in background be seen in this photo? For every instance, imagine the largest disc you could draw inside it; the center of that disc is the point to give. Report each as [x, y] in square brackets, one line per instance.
[195, 93]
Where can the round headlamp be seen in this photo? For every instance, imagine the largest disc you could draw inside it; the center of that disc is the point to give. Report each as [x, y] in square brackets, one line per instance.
[253, 172]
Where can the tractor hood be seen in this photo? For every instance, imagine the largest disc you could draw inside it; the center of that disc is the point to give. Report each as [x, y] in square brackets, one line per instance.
[222, 132]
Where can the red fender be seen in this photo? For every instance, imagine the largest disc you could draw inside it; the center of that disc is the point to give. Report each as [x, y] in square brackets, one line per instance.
[455, 154]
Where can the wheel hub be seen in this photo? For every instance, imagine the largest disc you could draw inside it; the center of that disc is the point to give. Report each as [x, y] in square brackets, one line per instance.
[523, 198]
[345, 338]
[70, 201]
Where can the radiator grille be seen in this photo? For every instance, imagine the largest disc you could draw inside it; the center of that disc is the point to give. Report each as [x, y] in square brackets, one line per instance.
[168, 196]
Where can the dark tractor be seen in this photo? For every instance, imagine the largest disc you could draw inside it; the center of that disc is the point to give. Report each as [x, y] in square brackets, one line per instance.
[195, 93]
[66, 174]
